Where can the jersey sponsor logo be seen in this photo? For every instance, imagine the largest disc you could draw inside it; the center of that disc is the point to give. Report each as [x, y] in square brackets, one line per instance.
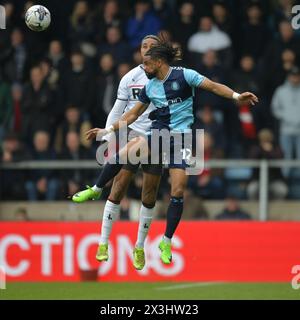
[173, 101]
[175, 85]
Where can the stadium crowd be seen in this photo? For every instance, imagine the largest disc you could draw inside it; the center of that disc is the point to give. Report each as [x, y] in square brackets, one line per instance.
[56, 84]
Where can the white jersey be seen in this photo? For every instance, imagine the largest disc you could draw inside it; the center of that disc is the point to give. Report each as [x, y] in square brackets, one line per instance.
[129, 89]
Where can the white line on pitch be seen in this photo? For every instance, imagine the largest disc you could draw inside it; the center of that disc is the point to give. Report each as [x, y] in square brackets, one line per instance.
[189, 285]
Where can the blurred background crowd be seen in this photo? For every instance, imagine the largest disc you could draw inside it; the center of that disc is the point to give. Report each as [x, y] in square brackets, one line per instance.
[54, 85]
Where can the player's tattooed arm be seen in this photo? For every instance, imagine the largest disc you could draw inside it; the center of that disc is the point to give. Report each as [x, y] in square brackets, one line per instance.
[127, 118]
[224, 91]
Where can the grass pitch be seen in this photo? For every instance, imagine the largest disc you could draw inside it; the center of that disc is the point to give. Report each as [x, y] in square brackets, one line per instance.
[148, 291]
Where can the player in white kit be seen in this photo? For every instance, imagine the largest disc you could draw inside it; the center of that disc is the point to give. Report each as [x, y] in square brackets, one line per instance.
[128, 92]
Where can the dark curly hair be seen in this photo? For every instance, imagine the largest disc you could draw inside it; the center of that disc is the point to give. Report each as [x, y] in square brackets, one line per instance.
[164, 50]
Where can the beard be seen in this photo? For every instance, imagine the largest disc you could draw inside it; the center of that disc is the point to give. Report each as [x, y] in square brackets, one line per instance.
[150, 75]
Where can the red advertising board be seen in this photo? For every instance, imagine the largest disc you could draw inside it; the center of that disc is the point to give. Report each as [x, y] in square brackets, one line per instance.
[202, 251]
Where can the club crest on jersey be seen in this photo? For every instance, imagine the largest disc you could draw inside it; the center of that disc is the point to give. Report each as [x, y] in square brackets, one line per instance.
[175, 85]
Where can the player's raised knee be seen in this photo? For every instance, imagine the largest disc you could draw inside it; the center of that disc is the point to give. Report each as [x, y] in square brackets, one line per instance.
[177, 191]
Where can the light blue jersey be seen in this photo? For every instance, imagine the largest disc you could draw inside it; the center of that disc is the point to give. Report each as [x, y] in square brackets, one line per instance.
[172, 99]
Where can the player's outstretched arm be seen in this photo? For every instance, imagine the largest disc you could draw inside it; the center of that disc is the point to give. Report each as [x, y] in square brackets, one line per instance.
[114, 115]
[116, 112]
[226, 92]
[127, 118]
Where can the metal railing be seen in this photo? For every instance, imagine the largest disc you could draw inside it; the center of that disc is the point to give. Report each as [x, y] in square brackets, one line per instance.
[262, 165]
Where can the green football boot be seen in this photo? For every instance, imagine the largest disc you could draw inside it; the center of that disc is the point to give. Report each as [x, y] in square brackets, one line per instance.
[102, 252]
[166, 253]
[85, 195]
[139, 258]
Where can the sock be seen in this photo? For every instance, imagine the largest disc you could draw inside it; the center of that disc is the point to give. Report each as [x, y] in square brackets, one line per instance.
[174, 214]
[146, 215]
[95, 188]
[108, 172]
[110, 214]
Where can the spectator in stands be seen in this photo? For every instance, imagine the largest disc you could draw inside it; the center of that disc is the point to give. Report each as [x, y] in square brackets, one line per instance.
[232, 211]
[211, 68]
[36, 105]
[143, 22]
[245, 77]
[12, 181]
[162, 10]
[49, 75]
[51, 78]
[267, 149]
[42, 182]
[77, 85]
[209, 183]
[81, 25]
[184, 24]
[109, 16]
[282, 12]
[123, 68]
[210, 37]
[14, 58]
[222, 18]
[106, 89]
[255, 33]
[285, 107]
[57, 57]
[115, 46]
[72, 122]
[273, 54]
[206, 120]
[287, 61]
[17, 94]
[6, 108]
[21, 214]
[73, 179]
[60, 65]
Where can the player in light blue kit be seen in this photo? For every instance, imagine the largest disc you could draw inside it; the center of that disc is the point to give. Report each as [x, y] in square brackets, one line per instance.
[171, 90]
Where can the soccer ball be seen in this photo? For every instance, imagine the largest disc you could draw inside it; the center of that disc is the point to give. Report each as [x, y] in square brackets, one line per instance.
[37, 18]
